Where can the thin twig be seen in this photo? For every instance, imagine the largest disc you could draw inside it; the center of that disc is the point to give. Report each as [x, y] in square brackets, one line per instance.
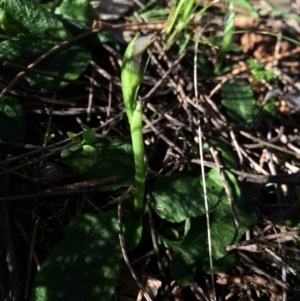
[159, 82]
[14, 293]
[202, 171]
[198, 290]
[251, 264]
[226, 186]
[125, 257]
[48, 194]
[41, 72]
[91, 97]
[154, 238]
[30, 256]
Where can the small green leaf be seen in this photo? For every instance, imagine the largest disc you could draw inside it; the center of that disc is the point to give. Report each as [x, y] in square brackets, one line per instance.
[239, 103]
[71, 134]
[74, 138]
[49, 138]
[85, 127]
[30, 18]
[12, 120]
[271, 108]
[89, 150]
[89, 136]
[85, 264]
[78, 10]
[258, 71]
[113, 158]
[214, 180]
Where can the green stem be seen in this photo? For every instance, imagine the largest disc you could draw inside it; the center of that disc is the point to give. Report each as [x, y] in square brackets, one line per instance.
[139, 158]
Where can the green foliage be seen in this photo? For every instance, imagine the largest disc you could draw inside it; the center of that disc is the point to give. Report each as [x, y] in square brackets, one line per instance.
[239, 103]
[27, 17]
[154, 14]
[185, 192]
[88, 135]
[78, 17]
[227, 37]
[33, 32]
[49, 138]
[180, 16]
[79, 10]
[271, 107]
[178, 198]
[12, 119]
[69, 62]
[259, 73]
[85, 264]
[111, 158]
[89, 150]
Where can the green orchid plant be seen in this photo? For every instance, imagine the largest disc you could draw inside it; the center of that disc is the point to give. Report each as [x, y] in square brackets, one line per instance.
[134, 66]
[133, 70]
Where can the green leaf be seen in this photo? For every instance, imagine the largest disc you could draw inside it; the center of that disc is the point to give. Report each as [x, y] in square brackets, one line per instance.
[214, 180]
[178, 197]
[247, 5]
[239, 103]
[258, 71]
[192, 249]
[49, 138]
[12, 119]
[78, 10]
[89, 150]
[228, 35]
[30, 18]
[69, 62]
[74, 138]
[85, 264]
[182, 269]
[89, 136]
[113, 158]
[271, 107]
[71, 134]
[85, 127]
